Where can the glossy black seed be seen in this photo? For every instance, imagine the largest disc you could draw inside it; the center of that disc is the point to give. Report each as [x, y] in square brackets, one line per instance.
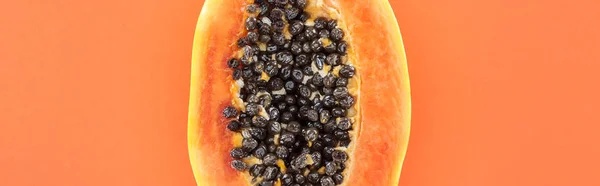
[297, 75]
[287, 139]
[242, 42]
[272, 148]
[230, 112]
[329, 80]
[303, 102]
[316, 45]
[328, 140]
[271, 47]
[252, 8]
[251, 23]
[310, 32]
[276, 14]
[317, 80]
[327, 91]
[234, 126]
[328, 101]
[278, 26]
[233, 63]
[271, 69]
[252, 109]
[312, 115]
[331, 24]
[341, 82]
[249, 144]
[307, 70]
[264, 38]
[339, 156]
[329, 127]
[273, 114]
[274, 127]
[278, 98]
[338, 178]
[287, 179]
[282, 152]
[289, 86]
[299, 178]
[302, 60]
[338, 112]
[301, 3]
[265, 29]
[311, 134]
[286, 117]
[324, 116]
[347, 102]
[341, 135]
[290, 99]
[260, 151]
[246, 122]
[323, 34]
[327, 151]
[258, 133]
[285, 72]
[333, 59]
[300, 38]
[270, 159]
[331, 47]
[237, 74]
[344, 123]
[292, 12]
[257, 170]
[237, 153]
[296, 27]
[342, 47]
[320, 23]
[319, 60]
[337, 34]
[296, 49]
[313, 177]
[264, 8]
[306, 47]
[340, 92]
[238, 165]
[247, 73]
[315, 125]
[252, 37]
[341, 167]
[259, 121]
[251, 98]
[304, 91]
[347, 71]
[294, 127]
[327, 181]
[275, 84]
[293, 109]
[284, 58]
[271, 173]
[278, 39]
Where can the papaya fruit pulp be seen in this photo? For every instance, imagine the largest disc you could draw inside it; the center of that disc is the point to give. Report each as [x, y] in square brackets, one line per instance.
[382, 93]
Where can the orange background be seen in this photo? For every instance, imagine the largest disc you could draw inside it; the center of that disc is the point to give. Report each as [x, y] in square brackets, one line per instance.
[505, 92]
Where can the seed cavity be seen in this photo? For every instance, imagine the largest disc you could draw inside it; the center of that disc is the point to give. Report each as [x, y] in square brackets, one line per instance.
[293, 105]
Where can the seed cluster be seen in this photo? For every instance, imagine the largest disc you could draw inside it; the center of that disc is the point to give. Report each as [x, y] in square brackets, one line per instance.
[295, 95]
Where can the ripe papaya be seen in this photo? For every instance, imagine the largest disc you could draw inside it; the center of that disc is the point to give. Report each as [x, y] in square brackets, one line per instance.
[298, 92]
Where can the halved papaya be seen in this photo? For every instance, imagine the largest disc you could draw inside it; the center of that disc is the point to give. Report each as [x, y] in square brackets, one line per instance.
[298, 92]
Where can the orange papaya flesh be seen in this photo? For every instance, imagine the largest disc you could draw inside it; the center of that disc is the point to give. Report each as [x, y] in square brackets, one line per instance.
[380, 88]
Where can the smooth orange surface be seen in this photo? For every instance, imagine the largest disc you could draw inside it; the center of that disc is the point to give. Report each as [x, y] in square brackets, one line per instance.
[504, 92]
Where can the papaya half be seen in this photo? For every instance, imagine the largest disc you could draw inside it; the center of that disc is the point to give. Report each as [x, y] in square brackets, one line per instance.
[298, 92]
